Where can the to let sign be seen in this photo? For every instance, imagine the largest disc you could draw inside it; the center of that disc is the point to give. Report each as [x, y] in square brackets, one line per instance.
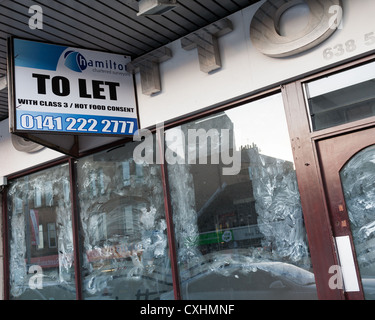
[60, 89]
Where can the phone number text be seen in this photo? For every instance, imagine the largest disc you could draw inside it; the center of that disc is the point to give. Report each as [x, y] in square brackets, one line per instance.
[77, 124]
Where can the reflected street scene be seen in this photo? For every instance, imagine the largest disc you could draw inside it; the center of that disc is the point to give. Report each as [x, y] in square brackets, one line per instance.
[241, 236]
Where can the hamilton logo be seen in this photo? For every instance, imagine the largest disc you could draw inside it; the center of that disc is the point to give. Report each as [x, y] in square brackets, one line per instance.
[75, 61]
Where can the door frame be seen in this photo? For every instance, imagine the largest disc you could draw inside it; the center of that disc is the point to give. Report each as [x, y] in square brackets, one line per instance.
[334, 153]
[314, 201]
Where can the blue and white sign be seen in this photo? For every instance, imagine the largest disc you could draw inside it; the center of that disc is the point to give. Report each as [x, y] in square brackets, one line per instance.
[72, 90]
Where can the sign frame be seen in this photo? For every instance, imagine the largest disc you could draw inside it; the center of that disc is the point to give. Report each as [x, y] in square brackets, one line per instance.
[100, 126]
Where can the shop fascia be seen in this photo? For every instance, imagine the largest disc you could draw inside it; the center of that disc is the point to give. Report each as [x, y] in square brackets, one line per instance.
[325, 18]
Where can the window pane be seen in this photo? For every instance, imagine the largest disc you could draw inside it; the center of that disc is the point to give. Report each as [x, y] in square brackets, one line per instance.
[125, 249]
[240, 231]
[41, 241]
[342, 98]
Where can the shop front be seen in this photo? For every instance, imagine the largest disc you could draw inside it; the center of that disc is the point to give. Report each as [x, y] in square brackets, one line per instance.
[253, 180]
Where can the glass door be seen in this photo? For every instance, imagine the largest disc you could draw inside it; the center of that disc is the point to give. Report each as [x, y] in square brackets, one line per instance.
[348, 169]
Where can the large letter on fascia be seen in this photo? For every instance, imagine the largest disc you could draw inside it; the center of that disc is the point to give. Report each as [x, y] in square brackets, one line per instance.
[148, 66]
[265, 32]
[205, 40]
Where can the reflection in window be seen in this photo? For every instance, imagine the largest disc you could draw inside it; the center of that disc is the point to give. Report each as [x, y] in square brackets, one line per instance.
[41, 237]
[239, 236]
[41, 242]
[342, 98]
[52, 241]
[125, 249]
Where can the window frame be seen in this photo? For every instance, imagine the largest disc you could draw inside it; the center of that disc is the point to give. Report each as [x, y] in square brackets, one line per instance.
[164, 175]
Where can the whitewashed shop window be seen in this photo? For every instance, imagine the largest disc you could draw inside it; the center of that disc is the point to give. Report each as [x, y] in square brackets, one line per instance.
[124, 244]
[41, 249]
[240, 235]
